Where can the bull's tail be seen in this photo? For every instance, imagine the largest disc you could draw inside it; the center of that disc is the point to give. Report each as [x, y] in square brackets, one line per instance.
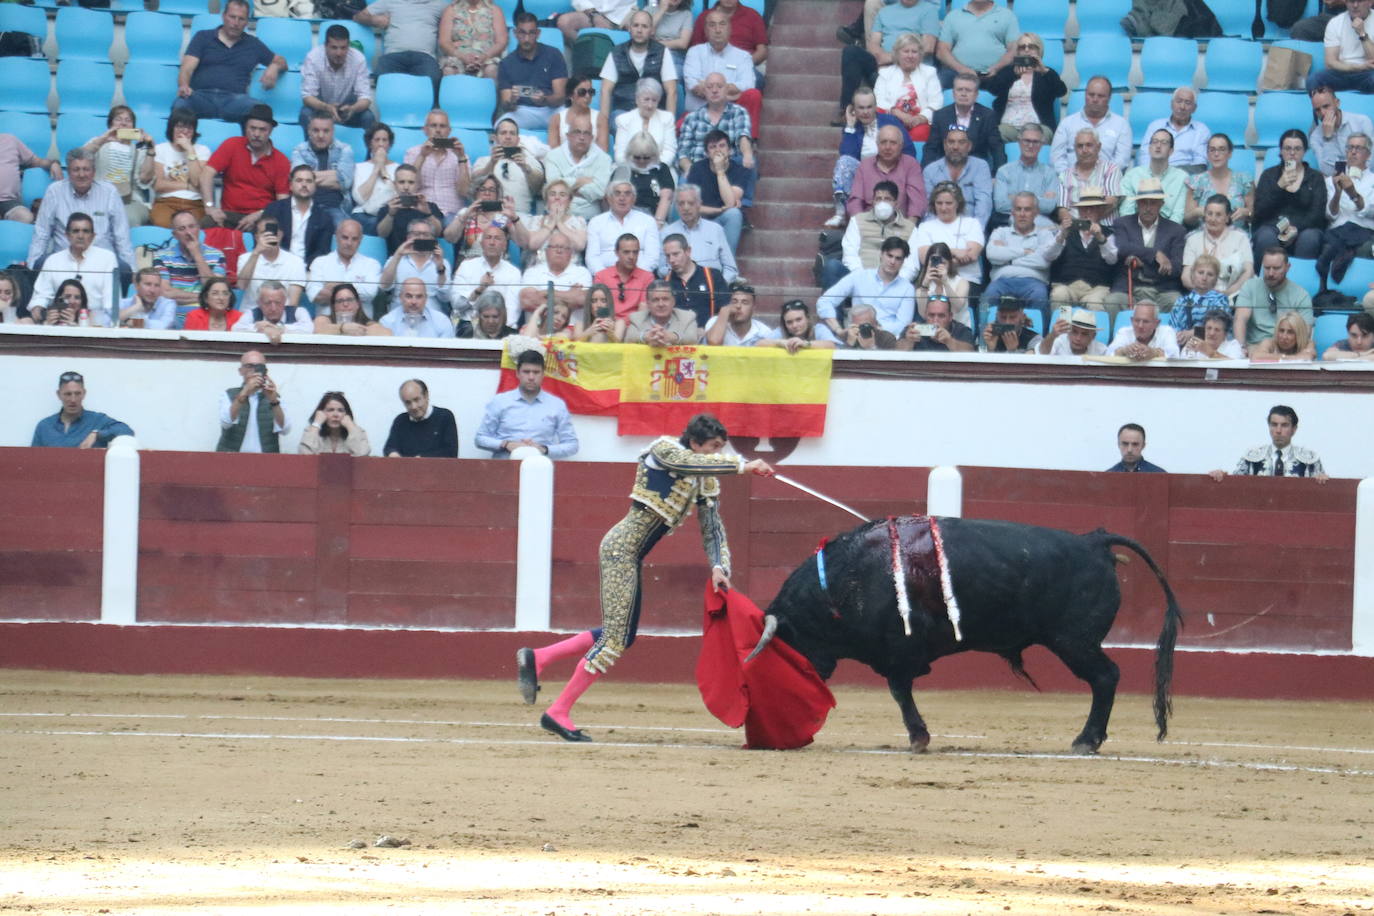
[1168, 635]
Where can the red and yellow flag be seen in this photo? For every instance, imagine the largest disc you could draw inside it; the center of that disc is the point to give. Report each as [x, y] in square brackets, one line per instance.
[653, 391]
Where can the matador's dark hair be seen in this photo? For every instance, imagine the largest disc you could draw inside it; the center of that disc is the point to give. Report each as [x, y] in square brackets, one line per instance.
[702, 428]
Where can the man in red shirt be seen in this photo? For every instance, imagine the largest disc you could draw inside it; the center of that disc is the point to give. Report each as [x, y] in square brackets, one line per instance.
[255, 174]
[747, 30]
[627, 281]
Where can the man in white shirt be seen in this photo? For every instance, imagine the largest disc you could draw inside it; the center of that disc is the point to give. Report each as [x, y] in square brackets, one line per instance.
[643, 57]
[269, 261]
[488, 270]
[570, 281]
[583, 165]
[735, 325]
[1190, 135]
[1145, 338]
[1348, 48]
[1075, 337]
[736, 65]
[710, 247]
[1350, 207]
[81, 260]
[622, 217]
[413, 317]
[344, 265]
[242, 429]
[1112, 129]
[273, 317]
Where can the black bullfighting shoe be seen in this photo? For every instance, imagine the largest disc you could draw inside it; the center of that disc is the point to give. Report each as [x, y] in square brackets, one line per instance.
[547, 723]
[526, 676]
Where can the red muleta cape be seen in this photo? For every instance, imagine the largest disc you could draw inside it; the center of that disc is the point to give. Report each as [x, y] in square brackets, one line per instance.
[778, 697]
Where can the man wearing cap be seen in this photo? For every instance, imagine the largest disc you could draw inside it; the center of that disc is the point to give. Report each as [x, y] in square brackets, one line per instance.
[218, 63]
[1084, 270]
[73, 426]
[1075, 337]
[1130, 441]
[1172, 179]
[1021, 255]
[1150, 245]
[255, 173]
[1145, 338]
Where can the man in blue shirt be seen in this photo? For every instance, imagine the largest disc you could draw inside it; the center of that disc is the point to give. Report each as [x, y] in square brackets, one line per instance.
[73, 426]
[527, 415]
[531, 81]
[218, 63]
[1130, 439]
[893, 299]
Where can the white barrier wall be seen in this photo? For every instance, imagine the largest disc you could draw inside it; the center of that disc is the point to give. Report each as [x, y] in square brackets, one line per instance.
[1192, 426]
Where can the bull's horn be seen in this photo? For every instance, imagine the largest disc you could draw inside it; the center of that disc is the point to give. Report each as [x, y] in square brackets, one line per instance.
[770, 628]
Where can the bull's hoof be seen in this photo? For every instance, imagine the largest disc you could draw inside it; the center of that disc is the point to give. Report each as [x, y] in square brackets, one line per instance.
[1085, 749]
[919, 743]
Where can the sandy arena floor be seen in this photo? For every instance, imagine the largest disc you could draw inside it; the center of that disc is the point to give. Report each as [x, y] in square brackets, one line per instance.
[160, 795]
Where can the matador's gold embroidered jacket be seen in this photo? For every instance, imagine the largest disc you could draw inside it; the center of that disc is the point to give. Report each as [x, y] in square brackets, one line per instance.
[671, 478]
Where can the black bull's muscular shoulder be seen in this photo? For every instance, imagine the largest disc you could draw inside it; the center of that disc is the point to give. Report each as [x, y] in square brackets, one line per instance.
[1015, 586]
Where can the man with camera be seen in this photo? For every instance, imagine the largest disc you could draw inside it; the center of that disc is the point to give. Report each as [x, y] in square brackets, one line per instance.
[269, 261]
[892, 297]
[273, 317]
[735, 325]
[939, 333]
[570, 281]
[408, 205]
[862, 331]
[488, 270]
[1074, 335]
[442, 165]
[1009, 331]
[527, 415]
[73, 426]
[419, 257]
[1021, 255]
[1082, 274]
[531, 82]
[251, 417]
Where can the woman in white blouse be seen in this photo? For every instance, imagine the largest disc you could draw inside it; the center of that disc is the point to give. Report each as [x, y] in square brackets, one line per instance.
[647, 118]
[1223, 241]
[908, 88]
[374, 179]
[947, 223]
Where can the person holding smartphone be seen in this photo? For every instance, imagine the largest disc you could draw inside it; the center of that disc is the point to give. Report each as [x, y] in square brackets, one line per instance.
[251, 416]
[418, 257]
[1290, 202]
[514, 160]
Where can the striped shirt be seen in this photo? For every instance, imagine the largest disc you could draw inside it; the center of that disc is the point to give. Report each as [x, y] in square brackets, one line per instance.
[179, 271]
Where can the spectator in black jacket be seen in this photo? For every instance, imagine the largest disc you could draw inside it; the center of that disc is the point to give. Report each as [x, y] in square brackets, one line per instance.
[976, 120]
[422, 431]
[1290, 200]
[318, 237]
[1027, 73]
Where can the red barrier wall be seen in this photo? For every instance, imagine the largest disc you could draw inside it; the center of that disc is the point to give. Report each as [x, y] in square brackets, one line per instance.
[284, 539]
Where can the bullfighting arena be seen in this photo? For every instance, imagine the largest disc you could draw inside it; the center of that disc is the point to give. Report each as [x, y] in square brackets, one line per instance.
[157, 795]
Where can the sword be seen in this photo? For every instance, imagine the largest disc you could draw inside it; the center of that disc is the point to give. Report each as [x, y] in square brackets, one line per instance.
[821, 496]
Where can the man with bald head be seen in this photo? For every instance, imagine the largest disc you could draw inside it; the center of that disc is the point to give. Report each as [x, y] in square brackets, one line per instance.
[421, 430]
[344, 265]
[1190, 135]
[413, 317]
[1112, 130]
[251, 416]
[888, 164]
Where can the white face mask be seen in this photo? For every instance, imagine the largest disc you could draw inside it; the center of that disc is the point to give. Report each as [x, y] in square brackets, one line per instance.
[883, 210]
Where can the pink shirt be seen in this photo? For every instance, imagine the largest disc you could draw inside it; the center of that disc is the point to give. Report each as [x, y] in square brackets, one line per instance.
[911, 186]
[14, 155]
[438, 179]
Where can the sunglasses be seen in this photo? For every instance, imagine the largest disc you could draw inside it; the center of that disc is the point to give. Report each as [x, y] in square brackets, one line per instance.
[66, 377]
[584, 92]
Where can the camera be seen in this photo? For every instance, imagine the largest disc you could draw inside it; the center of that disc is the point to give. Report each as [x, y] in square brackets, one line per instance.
[408, 200]
[261, 369]
[926, 330]
[1082, 225]
[1000, 328]
[865, 330]
[510, 151]
[490, 206]
[937, 260]
[424, 245]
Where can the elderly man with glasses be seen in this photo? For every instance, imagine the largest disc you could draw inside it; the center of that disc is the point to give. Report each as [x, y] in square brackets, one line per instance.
[1350, 205]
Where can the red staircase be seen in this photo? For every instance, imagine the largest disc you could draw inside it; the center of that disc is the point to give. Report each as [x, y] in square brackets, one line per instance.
[797, 150]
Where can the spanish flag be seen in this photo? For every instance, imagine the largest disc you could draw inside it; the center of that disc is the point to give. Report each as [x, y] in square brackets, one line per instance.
[754, 391]
[654, 391]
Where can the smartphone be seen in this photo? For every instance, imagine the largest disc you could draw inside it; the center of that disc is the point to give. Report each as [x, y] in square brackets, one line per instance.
[603, 311]
[1289, 165]
[926, 330]
[1340, 166]
[999, 328]
[509, 151]
[1282, 224]
[260, 369]
[424, 245]
[408, 200]
[936, 260]
[1198, 331]
[490, 206]
[444, 142]
[129, 133]
[1066, 313]
[271, 228]
[1024, 60]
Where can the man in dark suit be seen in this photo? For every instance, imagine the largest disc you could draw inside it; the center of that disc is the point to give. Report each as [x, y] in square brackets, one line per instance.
[978, 121]
[1152, 246]
[299, 211]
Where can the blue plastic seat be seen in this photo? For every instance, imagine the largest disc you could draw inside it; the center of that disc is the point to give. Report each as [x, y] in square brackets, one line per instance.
[153, 37]
[14, 240]
[1102, 17]
[374, 247]
[1104, 55]
[202, 21]
[1357, 279]
[1275, 112]
[1329, 329]
[1303, 272]
[404, 99]
[1235, 20]
[75, 128]
[27, 19]
[359, 33]
[1233, 64]
[1014, 151]
[546, 8]
[286, 136]
[34, 183]
[83, 34]
[1167, 63]
[149, 88]
[1358, 103]
[1047, 18]
[33, 130]
[757, 6]
[476, 141]
[84, 86]
[469, 100]
[353, 138]
[1225, 113]
[185, 7]
[152, 236]
[291, 38]
[406, 137]
[284, 97]
[213, 133]
[27, 83]
[1054, 54]
[1147, 107]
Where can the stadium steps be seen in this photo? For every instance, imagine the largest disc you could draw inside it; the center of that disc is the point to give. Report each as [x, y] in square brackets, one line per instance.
[797, 150]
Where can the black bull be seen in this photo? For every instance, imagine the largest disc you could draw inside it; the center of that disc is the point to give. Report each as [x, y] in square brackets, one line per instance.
[1016, 586]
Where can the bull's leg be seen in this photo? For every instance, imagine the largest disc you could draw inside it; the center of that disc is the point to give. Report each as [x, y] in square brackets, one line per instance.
[1091, 664]
[916, 731]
